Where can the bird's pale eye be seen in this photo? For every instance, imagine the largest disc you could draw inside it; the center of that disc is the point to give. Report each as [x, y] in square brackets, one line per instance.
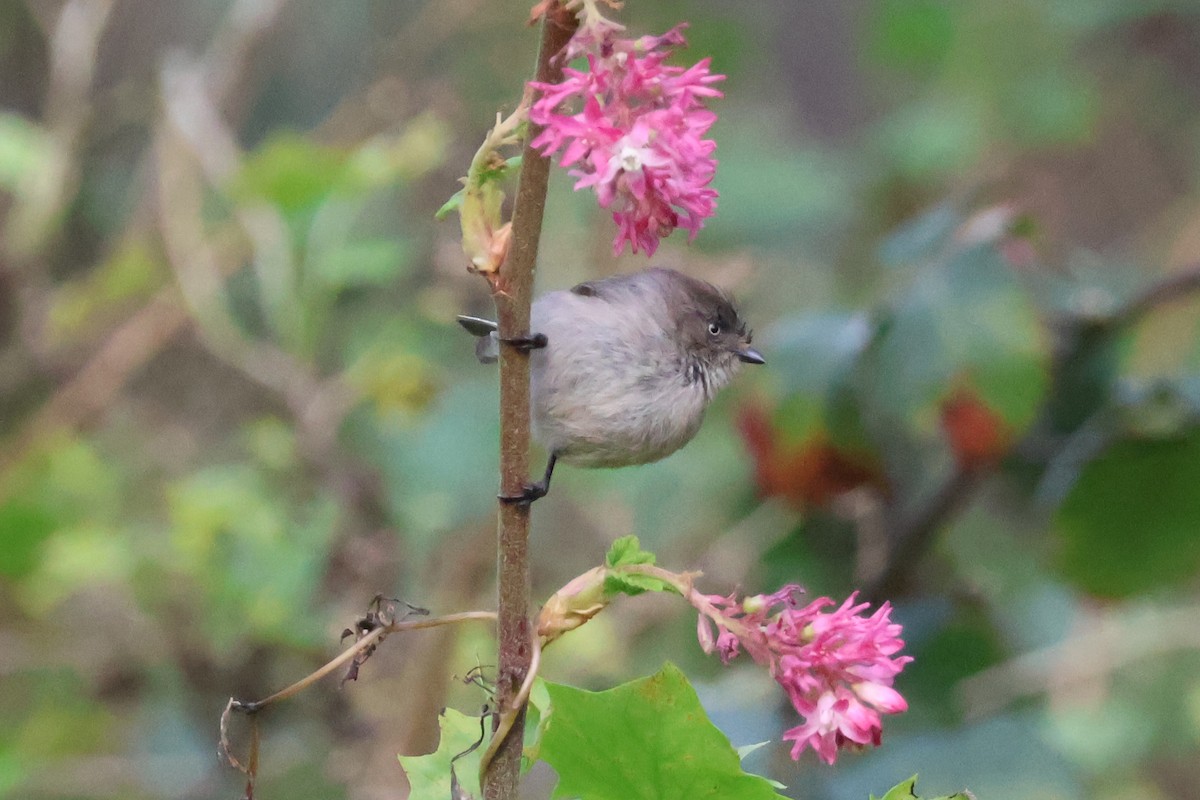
[714, 328]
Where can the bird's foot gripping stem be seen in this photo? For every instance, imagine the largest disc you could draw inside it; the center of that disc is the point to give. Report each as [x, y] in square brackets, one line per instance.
[531, 491]
[526, 343]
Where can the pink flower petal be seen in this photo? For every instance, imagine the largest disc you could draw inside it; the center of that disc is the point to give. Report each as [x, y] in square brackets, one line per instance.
[835, 664]
[637, 118]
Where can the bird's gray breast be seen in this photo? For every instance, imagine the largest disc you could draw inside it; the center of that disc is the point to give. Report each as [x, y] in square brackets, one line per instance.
[611, 388]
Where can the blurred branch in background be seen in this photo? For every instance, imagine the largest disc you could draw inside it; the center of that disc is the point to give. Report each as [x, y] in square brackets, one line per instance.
[909, 537]
[73, 55]
[225, 63]
[37, 216]
[94, 387]
[1102, 643]
[196, 132]
[1176, 286]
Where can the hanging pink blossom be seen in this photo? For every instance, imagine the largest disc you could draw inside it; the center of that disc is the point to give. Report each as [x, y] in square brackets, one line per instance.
[632, 129]
[837, 667]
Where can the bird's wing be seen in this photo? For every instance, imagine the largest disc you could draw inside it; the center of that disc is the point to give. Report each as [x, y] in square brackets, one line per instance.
[588, 288]
[615, 286]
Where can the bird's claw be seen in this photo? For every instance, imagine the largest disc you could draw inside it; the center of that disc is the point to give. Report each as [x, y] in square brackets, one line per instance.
[529, 493]
[527, 342]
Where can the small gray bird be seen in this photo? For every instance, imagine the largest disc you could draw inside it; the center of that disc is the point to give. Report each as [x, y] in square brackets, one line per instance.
[622, 369]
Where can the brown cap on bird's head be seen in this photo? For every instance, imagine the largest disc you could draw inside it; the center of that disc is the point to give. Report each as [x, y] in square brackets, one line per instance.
[707, 317]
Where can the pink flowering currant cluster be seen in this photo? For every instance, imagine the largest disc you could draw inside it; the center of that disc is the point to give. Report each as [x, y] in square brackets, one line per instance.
[836, 666]
[632, 129]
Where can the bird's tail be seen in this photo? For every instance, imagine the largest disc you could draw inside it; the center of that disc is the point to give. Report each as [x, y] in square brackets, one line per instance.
[487, 349]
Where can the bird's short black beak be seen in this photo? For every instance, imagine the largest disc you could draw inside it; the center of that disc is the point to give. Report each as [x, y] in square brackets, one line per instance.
[750, 356]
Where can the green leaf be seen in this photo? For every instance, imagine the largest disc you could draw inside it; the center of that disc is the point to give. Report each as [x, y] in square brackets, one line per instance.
[501, 171]
[911, 34]
[426, 464]
[537, 717]
[485, 176]
[24, 149]
[966, 319]
[815, 356]
[255, 554]
[901, 791]
[75, 559]
[627, 550]
[922, 238]
[13, 769]
[633, 584]
[390, 158]
[23, 529]
[759, 164]
[644, 740]
[747, 749]
[813, 351]
[963, 645]
[933, 136]
[429, 775]
[907, 790]
[290, 171]
[1129, 524]
[362, 262]
[1087, 376]
[453, 204]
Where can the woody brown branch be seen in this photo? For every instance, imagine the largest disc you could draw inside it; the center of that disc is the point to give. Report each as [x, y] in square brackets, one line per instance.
[513, 298]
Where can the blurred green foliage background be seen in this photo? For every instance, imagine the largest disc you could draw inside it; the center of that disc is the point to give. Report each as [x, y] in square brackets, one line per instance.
[234, 405]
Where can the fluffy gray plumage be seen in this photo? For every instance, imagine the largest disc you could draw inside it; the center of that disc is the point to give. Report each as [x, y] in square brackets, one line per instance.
[631, 364]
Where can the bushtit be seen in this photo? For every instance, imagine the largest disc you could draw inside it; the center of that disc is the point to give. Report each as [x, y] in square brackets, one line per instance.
[622, 369]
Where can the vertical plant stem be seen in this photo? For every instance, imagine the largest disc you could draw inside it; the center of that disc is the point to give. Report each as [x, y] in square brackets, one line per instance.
[513, 297]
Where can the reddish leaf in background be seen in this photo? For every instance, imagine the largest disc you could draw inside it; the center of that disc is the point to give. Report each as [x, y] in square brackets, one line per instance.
[811, 472]
[978, 436]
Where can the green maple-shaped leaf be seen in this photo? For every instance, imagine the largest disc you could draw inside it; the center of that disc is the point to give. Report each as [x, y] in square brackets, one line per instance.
[429, 775]
[625, 552]
[644, 740]
[908, 791]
